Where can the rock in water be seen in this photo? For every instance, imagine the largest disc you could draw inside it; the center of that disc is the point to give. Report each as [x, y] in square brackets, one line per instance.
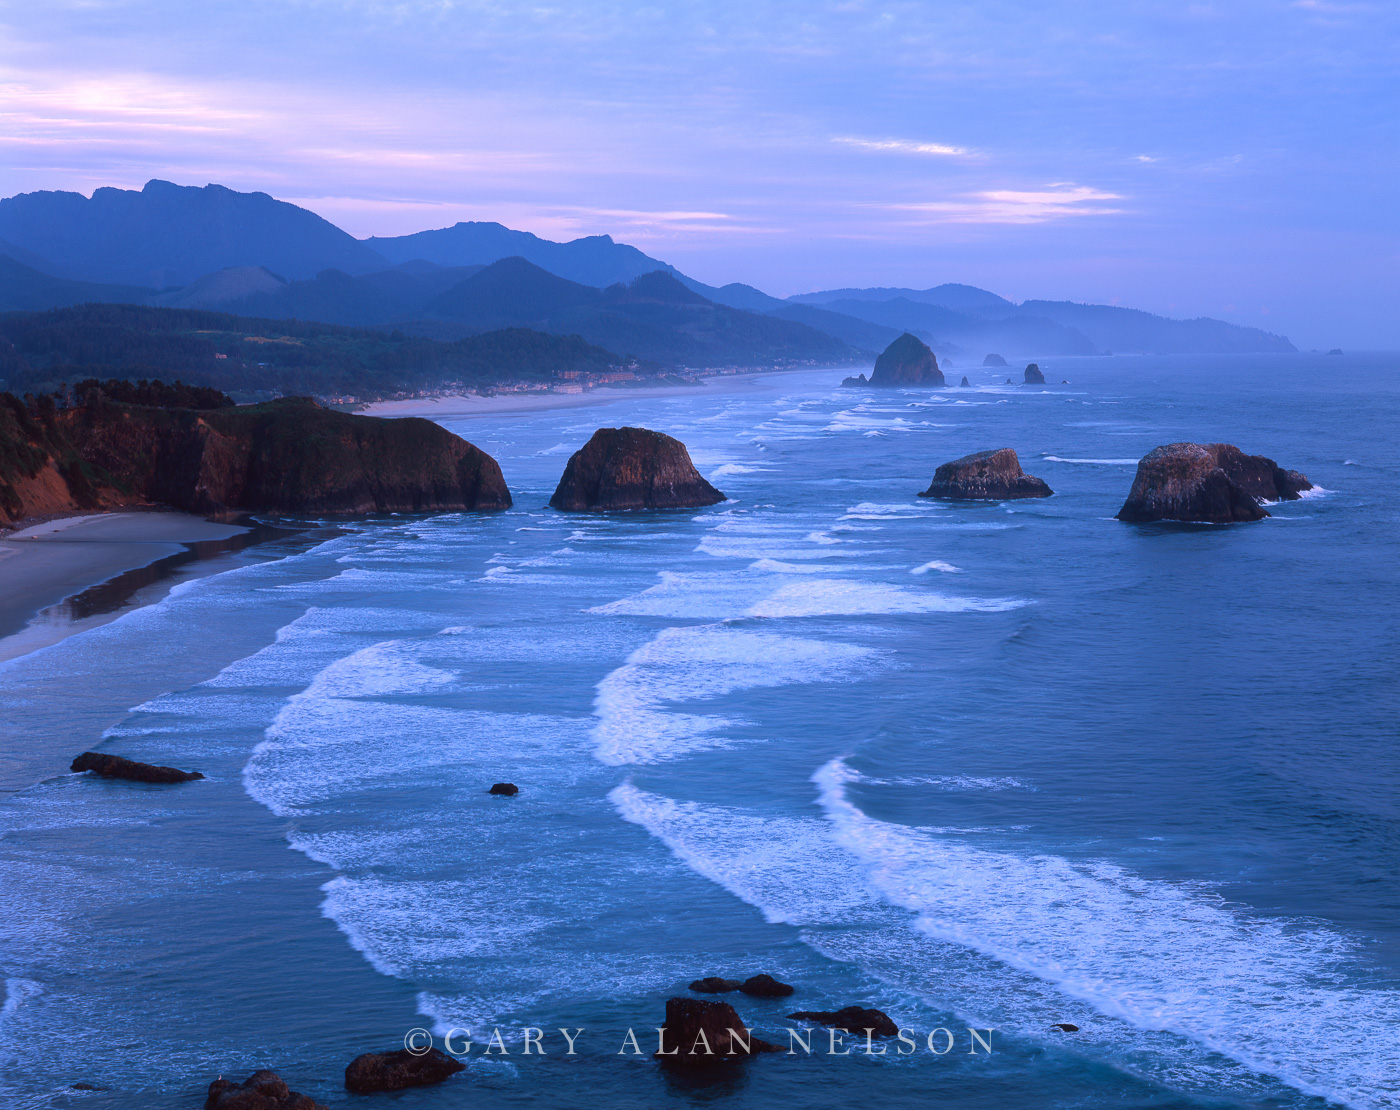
[985, 476]
[506, 789]
[1214, 483]
[115, 767]
[700, 1033]
[263, 1090]
[1065, 1027]
[853, 1019]
[632, 468]
[855, 381]
[765, 986]
[906, 361]
[994, 360]
[1033, 375]
[397, 1071]
[964, 384]
[713, 984]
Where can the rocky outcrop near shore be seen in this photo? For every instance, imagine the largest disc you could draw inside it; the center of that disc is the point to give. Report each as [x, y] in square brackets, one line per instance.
[632, 468]
[376, 1072]
[985, 476]
[290, 456]
[116, 767]
[853, 1019]
[1033, 375]
[906, 361]
[1214, 483]
[263, 1090]
[700, 1034]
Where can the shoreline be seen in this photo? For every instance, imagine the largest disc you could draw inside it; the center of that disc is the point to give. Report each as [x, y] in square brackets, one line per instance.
[460, 405]
[55, 558]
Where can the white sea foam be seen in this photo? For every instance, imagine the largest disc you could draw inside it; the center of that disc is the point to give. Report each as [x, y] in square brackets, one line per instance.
[737, 468]
[17, 993]
[935, 564]
[830, 597]
[636, 723]
[695, 596]
[1316, 491]
[1094, 462]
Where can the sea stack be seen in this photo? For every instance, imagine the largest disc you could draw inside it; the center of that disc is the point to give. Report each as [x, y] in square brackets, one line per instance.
[964, 384]
[1033, 375]
[985, 476]
[906, 361]
[994, 360]
[632, 468]
[699, 1033]
[1213, 483]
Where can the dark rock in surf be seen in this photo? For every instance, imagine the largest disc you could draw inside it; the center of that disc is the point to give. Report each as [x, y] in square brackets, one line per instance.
[1065, 1027]
[853, 1019]
[906, 361]
[855, 381]
[713, 984]
[964, 384]
[765, 986]
[632, 468]
[115, 767]
[994, 360]
[263, 1090]
[985, 476]
[698, 1033]
[1033, 375]
[1214, 483]
[505, 789]
[397, 1071]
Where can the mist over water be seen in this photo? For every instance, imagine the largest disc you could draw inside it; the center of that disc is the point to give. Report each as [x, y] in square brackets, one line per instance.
[994, 764]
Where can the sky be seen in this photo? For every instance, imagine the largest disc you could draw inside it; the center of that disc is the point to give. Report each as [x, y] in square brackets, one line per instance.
[1233, 159]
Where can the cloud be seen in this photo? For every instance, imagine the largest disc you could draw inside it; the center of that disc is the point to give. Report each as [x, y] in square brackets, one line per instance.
[902, 146]
[1013, 206]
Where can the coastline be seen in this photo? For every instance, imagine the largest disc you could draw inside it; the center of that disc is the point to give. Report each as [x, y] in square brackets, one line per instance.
[50, 561]
[459, 405]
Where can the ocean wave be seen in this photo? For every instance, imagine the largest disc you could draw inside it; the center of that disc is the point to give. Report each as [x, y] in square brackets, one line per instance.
[935, 564]
[836, 597]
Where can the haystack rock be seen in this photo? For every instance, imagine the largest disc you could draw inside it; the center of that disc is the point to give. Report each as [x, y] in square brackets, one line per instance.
[1214, 483]
[263, 1090]
[1033, 375]
[906, 361]
[994, 360]
[853, 1019]
[115, 767]
[964, 384]
[985, 476]
[632, 468]
[397, 1071]
[699, 1033]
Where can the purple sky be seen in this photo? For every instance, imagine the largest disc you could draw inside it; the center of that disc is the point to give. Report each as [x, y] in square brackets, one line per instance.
[1234, 159]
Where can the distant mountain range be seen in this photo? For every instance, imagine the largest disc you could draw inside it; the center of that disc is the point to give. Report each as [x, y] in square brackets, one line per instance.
[252, 255]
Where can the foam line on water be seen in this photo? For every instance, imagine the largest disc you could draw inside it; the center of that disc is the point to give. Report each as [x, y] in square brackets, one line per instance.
[936, 564]
[1092, 462]
[636, 721]
[1154, 954]
[828, 597]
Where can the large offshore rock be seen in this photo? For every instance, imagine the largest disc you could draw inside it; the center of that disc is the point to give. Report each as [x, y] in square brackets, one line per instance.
[698, 1033]
[994, 360]
[1214, 483]
[1033, 375]
[117, 767]
[985, 476]
[397, 1071]
[263, 1090]
[906, 361]
[632, 468]
[853, 1019]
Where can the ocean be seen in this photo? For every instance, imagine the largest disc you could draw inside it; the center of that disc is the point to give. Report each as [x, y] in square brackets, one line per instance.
[989, 766]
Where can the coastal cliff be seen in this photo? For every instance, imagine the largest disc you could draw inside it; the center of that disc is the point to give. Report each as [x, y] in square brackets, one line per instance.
[290, 455]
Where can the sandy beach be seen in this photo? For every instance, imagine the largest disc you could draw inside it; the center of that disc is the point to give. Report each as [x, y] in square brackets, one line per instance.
[471, 404]
[55, 559]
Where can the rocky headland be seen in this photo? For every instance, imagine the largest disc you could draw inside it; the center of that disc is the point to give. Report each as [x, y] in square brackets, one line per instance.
[985, 476]
[290, 455]
[1213, 483]
[632, 468]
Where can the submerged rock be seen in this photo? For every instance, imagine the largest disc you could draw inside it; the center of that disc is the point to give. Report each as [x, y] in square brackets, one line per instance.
[985, 476]
[1033, 375]
[964, 384]
[508, 789]
[713, 984]
[853, 1019]
[906, 361]
[994, 360]
[700, 1033]
[765, 986]
[1214, 483]
[632, 468]
[115, 767]
[397, 1071]
[263, 1090]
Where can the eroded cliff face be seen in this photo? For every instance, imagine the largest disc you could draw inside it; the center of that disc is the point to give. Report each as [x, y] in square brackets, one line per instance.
[284, 456]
